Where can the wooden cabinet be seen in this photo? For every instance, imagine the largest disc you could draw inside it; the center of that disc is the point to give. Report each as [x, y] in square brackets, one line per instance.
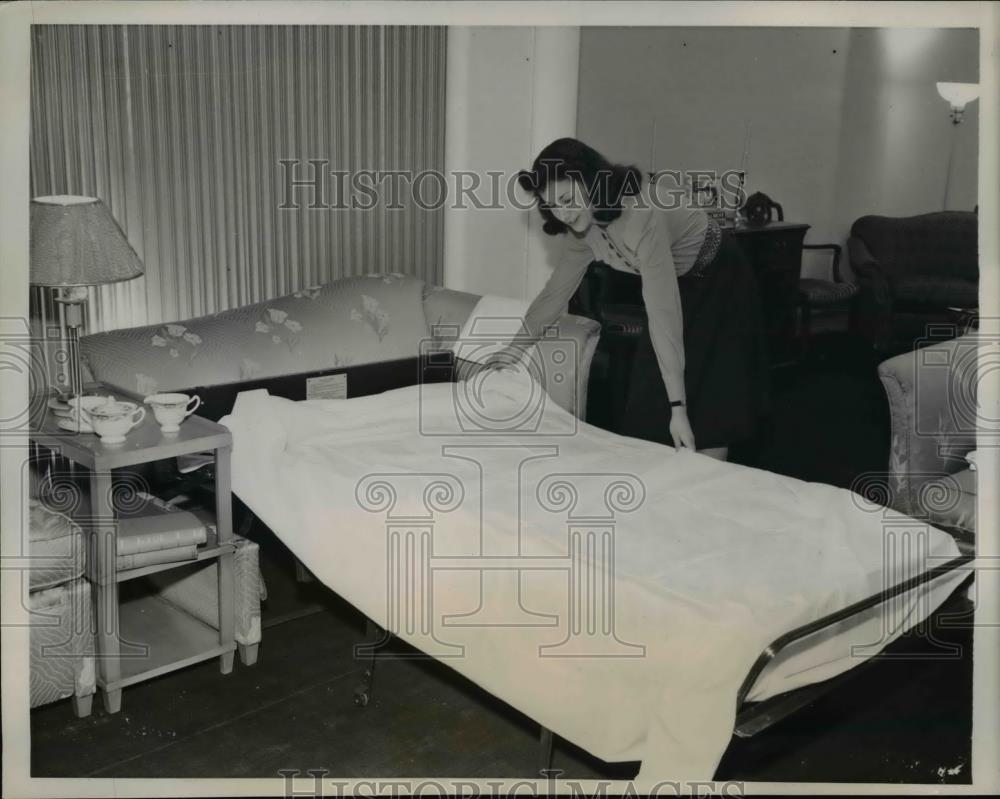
[775, 253]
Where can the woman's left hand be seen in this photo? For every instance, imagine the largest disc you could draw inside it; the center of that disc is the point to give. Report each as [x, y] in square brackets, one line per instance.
[680, 429]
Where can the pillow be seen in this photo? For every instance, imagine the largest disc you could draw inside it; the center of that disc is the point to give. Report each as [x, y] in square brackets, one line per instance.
[493, 324]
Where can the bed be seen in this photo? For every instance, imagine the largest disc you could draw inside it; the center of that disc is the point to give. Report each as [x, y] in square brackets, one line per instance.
[629, 598]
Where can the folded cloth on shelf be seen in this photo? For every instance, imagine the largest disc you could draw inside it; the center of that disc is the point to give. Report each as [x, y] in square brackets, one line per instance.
[153, 557]
[615, 590]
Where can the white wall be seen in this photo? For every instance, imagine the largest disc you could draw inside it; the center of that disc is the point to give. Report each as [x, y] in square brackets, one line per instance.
[896, 130]
[844, 121]
[510, 92]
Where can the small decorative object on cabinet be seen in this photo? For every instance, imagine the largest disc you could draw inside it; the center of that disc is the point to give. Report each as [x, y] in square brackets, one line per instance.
[759, 209]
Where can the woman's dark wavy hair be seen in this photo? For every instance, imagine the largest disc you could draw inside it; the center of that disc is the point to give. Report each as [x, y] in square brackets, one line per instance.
[606, 184]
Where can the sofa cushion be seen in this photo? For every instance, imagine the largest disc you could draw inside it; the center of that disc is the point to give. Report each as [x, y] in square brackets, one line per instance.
[355, 320]
[935, 291]
[55, 546]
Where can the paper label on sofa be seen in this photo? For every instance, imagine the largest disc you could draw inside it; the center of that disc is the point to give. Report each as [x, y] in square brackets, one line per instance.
[327, 387]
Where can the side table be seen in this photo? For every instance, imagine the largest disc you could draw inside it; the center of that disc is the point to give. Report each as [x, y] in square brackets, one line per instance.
[146, 636]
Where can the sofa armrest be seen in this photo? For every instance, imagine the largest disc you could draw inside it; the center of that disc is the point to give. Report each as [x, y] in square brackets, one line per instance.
[931, 432]
[874, 305]
[567, 351]
[868, 269]
[565, 354]
[561, 358]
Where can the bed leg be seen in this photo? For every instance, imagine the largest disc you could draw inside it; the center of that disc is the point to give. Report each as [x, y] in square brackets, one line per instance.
[302, 574]
[545, 751]
[362, 691]
[246, 523]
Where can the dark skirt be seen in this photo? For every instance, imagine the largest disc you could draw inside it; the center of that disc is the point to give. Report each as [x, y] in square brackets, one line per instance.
[726, 367]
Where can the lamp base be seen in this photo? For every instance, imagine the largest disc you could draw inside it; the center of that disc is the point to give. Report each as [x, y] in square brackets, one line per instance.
[72, 300]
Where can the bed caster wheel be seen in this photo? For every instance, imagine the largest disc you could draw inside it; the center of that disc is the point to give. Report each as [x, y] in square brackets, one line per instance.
[360, 697]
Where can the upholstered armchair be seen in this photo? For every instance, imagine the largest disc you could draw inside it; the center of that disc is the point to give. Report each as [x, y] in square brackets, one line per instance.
[932, 401]
[910, 272]
[62, 631]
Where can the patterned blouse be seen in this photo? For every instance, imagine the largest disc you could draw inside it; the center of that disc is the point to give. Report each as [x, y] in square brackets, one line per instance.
[659, 244]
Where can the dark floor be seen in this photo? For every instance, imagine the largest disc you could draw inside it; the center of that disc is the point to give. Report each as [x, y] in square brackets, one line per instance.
[905, 719]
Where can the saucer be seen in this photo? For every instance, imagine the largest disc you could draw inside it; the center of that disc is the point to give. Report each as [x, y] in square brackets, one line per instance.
[75, 427]
[57, 405]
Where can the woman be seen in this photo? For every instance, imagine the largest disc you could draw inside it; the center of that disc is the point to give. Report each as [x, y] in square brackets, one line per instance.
[699, 377]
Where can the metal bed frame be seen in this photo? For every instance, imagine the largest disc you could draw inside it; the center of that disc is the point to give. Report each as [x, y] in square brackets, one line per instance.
[440, 367]
[751, 717]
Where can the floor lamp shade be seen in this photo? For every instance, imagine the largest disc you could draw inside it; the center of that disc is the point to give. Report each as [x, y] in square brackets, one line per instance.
[76, 242]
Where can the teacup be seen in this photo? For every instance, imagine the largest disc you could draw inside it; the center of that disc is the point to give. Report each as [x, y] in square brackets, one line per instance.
[86, 403]
[113, 419]
[172, 409]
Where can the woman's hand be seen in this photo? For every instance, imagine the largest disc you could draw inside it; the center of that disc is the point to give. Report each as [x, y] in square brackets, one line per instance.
[508, 356]
[680, 429]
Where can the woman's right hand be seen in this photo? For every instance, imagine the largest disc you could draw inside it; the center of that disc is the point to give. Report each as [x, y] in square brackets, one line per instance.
[508, 356]
[680, 429]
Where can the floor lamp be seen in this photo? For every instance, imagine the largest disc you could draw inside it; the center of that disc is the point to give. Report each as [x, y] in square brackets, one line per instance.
[958, 96]
[76, 243]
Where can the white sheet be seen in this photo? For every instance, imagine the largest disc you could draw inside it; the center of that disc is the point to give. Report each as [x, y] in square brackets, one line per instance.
[716, 562]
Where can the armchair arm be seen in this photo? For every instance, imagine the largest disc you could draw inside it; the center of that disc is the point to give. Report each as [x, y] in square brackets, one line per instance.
[874, 306]
[930, 436]
[573, 345]
[864, 264]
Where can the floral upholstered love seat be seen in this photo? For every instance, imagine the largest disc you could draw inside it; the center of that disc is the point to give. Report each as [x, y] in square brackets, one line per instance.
[349, 322]
[354, 320]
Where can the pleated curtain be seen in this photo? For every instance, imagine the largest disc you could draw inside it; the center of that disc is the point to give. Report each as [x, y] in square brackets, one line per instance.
[182, 131]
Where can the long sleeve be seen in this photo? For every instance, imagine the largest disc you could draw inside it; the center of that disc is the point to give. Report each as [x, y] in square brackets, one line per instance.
[551, 301]
[662, 298]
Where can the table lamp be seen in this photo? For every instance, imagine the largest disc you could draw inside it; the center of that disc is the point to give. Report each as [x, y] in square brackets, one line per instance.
[75, 243]
[958, 95]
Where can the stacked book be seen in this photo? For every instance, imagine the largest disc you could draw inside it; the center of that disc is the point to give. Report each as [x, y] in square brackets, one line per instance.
[157, 533]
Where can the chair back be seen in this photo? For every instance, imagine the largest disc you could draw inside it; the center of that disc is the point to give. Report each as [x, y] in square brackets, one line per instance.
[942, 244]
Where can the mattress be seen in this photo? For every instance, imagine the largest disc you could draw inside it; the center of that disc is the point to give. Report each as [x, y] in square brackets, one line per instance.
[615, 590]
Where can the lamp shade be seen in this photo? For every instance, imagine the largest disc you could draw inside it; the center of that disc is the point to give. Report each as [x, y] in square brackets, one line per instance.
[958, 95]
[76, 242]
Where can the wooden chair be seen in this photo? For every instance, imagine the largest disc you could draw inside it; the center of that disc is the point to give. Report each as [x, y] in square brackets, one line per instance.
[819, 294]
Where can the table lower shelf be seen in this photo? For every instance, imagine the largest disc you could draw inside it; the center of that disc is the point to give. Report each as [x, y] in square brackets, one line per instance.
[172, 639]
